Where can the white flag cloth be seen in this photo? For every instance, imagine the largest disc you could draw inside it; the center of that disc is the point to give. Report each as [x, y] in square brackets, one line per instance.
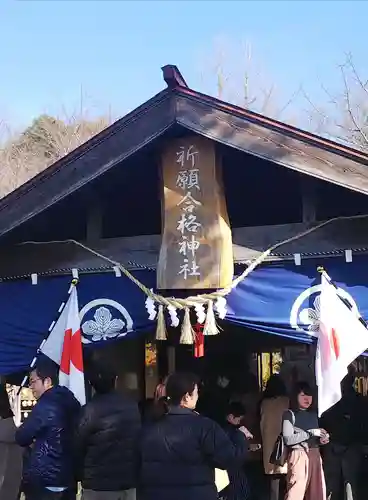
[64, 347]
[342, 338]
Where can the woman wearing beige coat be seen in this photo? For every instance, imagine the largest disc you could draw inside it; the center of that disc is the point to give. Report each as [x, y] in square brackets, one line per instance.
[273, 405]
[10, 453]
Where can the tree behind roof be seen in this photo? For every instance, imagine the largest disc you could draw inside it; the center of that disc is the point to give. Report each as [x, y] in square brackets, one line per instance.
[45, 141]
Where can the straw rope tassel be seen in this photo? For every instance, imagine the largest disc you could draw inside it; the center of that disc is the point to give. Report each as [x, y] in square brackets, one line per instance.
[161, 333]
[187, 332]
[210, 325]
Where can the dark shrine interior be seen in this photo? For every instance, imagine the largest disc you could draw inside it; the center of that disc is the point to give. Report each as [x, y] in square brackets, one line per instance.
[258, 193]
[225, 354]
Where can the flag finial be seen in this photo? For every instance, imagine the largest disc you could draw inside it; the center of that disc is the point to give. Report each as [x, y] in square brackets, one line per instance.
[75, 281]
[320, 269]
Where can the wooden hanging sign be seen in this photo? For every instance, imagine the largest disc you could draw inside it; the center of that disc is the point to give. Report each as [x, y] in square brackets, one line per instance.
[196, 249]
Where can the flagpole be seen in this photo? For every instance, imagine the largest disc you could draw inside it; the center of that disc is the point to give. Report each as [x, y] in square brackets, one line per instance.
[73, 283]
[323, 272]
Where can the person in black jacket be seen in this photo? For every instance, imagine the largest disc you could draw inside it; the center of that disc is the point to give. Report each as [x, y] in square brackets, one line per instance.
[107, 441]
[180, 451]
[346, 423]
[239, 487]
[49, 469]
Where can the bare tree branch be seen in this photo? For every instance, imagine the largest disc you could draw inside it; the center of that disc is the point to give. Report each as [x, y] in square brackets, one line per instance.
[240, 80]
[351, 114]
[363, 86]
[344, 115]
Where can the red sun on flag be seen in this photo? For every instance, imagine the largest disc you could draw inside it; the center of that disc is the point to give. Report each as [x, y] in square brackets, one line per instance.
[335, 342]
[72, 352]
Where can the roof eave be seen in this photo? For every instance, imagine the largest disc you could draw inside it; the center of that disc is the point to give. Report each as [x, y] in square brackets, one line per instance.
[87, 146]
[275, 125]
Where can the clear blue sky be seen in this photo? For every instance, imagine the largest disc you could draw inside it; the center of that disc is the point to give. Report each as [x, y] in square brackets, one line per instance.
[114, 50]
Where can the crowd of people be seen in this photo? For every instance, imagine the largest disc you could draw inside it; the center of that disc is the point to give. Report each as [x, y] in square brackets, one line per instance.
[167, 450]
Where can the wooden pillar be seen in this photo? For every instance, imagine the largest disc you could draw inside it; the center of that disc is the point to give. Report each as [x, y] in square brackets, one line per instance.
[171, 361]
[94, 221]
[309, 198]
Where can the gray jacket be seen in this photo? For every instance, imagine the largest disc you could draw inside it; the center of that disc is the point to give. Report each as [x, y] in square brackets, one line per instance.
[295, 426]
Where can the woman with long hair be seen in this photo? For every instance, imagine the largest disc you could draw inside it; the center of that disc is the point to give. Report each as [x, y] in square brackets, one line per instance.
[180, 450]
[303, 436]
[10, 452]
[273, 405]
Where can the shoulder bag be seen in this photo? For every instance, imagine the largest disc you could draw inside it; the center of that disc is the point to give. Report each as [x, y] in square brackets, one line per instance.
[279, 453]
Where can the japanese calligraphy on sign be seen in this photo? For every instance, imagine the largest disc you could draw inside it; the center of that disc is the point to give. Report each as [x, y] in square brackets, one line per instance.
[196, 249]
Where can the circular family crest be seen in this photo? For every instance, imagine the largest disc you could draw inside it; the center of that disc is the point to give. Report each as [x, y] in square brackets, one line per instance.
[104, 319]
[306, 310]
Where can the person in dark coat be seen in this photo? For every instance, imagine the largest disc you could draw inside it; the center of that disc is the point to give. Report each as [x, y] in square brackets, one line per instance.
[239, 487]
[214, 398]
[346, 423]
[108, 440]
[180, 450]
[49, 469]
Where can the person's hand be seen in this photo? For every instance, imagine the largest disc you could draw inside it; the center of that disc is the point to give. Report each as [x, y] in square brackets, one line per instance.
[246, 432]
[254, 447]
[325, 439]
[316, 432]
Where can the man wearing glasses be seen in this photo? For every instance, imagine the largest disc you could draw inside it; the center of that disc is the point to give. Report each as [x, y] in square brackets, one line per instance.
[48, 471]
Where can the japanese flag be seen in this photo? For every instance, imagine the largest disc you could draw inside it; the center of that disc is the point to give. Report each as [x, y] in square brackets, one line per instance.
[64, 347]
[342, 338]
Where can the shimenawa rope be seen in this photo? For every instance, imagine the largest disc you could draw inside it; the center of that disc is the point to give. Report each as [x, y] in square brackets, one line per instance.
[204, 298]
